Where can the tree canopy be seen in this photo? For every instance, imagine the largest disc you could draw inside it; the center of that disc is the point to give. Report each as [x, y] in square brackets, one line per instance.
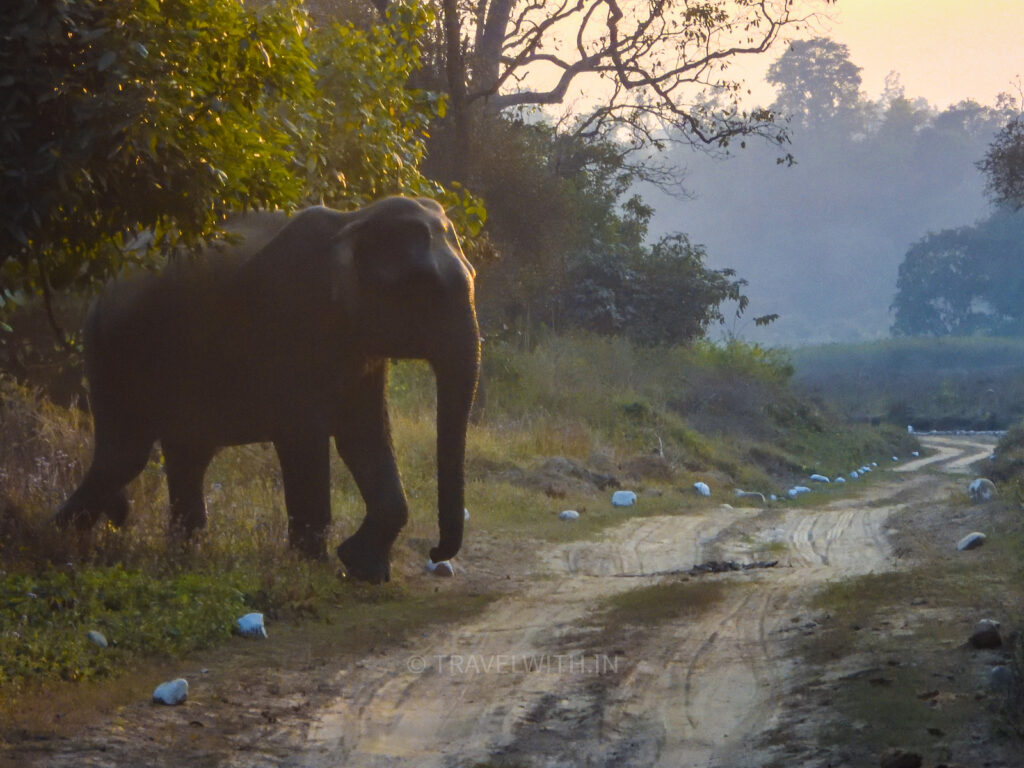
[133, 128]
[964, 281]
[820, 242]
[129, 117]
[1003, 164]
[817, 82]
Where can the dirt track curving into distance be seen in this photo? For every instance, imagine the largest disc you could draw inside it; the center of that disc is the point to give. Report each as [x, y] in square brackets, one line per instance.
[691, 693]
[538, 680]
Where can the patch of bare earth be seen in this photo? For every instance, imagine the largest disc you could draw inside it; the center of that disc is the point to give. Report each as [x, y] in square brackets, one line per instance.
[540, 678]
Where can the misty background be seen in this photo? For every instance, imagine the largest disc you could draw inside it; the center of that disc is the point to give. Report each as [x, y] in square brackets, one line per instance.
[820, 235]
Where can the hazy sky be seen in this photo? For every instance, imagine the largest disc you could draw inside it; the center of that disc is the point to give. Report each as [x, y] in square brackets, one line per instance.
[944, 50]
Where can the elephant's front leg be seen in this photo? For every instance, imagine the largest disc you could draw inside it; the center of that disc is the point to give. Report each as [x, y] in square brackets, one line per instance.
[305, 467]
[364, 443]
[186, 466]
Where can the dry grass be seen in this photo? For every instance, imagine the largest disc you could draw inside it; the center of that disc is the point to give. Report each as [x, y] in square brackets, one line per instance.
[586, 399]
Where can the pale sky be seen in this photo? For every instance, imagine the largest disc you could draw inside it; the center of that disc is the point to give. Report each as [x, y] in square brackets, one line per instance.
[944, 50]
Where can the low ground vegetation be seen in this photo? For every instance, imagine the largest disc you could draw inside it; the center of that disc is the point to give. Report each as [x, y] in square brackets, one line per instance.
[930, 383]
[892, 657]
[549, 421]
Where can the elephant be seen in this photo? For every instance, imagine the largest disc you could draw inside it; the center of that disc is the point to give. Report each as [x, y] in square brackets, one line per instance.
[282, 332]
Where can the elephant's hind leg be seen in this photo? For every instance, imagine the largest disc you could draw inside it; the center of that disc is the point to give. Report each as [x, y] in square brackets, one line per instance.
[102, 489]
[306, 470]
[186, 467]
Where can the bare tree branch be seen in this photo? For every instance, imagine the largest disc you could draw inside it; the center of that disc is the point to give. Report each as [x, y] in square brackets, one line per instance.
[649, 54]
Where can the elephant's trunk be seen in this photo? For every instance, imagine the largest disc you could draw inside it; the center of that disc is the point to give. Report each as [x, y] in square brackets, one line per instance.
[457, 369]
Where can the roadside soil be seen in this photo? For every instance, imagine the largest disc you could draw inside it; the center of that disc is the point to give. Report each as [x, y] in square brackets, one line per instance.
[541, 678]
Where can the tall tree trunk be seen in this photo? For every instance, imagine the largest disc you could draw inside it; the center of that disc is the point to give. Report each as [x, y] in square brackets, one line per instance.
[487, 54]
[456, 73]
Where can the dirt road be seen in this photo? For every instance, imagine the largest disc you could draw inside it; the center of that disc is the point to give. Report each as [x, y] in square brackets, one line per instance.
[527, 683]
[541, 679]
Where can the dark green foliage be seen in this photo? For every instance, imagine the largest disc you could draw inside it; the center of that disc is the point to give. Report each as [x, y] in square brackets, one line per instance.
[1004, 164]
[44, 619]
[663, 294]
[574, 246]
[132, 125]
[964, 281]
[373, 140]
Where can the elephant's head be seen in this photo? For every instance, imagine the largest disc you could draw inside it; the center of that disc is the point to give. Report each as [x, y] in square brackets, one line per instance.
[399, 269]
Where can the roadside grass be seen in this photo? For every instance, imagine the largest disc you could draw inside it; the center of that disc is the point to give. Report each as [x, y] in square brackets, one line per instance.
[371, 618]
[911, 680]
[660, 419]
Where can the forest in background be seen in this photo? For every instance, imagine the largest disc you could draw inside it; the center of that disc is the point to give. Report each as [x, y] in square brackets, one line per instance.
[860, 229]
[124, 146]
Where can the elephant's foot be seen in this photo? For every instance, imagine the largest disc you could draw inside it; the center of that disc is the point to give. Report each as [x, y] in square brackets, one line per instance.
[362, 562]
[83, 518]
[76, 517]
[309, 542]
[117, 509]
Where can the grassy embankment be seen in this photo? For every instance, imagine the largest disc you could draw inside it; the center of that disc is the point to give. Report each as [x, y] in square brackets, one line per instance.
[913, 682]
[939, 383]
[656, 419]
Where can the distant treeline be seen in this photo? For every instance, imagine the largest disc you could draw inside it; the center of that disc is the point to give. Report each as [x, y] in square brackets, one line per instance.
[927, 383]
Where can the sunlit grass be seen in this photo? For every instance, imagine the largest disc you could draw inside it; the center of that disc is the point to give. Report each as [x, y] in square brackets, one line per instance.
[722, 415]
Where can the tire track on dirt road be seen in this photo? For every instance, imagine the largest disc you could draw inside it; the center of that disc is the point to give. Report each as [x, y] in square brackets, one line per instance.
[471, 688]
[694, 693]
[520, 683]
[954, 453]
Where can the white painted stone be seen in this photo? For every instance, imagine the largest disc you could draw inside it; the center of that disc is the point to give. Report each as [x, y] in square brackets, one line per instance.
[623, 499]
[445, 569]
[97, 638]
[971, 541]
[171, 693]
[251, 625]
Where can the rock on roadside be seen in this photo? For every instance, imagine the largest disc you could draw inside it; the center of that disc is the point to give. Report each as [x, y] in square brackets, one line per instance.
[623, 499]
[971, 541]
[986, 634]
[97, 638]
[981, 490]
[251, 625]
[171, 693]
